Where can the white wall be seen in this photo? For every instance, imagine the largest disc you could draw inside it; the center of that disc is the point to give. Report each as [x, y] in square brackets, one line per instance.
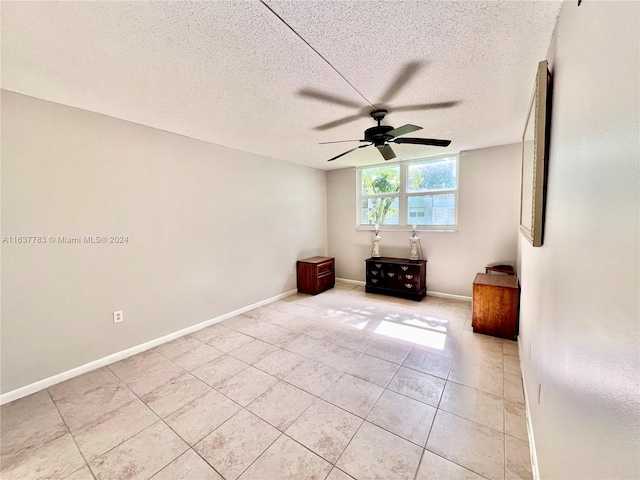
[580, 295]
[488, 212]
[211, 229]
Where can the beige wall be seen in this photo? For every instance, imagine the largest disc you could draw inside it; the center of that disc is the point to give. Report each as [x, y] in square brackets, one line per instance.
[489, 196]
[580, 291]
[211, 230]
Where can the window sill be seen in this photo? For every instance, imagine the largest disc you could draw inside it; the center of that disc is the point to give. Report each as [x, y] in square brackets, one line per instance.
[407, 229]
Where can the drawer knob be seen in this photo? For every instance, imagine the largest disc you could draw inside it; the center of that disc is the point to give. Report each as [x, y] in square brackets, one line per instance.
[378, 265]
[408, 285]
[409, 276]
[391, 274]
[374, 272]
[374, 280]
[405, 268]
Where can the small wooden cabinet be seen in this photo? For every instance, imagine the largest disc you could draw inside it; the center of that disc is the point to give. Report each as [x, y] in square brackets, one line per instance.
[397, 276]
[495, 305]
[316, 274]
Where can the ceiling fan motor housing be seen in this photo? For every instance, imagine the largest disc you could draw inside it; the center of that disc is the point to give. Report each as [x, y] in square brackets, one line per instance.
[377, 134]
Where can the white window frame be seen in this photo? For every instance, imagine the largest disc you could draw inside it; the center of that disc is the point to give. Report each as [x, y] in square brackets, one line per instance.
[403, 196]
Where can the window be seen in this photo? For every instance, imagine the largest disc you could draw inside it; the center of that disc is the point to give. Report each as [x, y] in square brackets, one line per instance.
[422, 192]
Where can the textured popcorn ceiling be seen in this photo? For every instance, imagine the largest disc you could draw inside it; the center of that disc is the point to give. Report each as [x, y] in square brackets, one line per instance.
[230, 72]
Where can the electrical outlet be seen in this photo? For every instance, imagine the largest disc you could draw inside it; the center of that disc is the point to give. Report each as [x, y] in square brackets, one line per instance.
[291, 271]
[117, 316]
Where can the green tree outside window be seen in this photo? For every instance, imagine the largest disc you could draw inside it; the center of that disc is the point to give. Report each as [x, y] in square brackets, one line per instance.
[432, 175]
[380, 180]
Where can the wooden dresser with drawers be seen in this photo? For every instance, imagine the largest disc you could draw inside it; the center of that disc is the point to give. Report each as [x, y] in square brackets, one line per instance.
[399, 277]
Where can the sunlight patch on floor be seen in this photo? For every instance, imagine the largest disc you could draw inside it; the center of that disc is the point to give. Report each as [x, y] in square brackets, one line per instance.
[427, 338]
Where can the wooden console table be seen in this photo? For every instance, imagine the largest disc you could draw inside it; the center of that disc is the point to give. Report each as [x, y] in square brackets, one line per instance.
[397, 276]
[495, 305]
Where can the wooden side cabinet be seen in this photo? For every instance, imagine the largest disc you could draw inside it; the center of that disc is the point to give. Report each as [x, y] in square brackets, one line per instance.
[397, 276]
[495, 305]
[316, 274]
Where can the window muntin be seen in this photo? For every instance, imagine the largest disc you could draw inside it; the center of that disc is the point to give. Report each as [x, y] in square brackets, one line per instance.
[422, 192]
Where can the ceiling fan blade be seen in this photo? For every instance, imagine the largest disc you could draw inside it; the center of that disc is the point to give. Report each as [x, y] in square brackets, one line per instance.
[425, 106]
[337, 123]
[348, 151]
[341, 141]
[325, 97]
[408, 128]
[423, 141]
[387, 152]
[407, 73]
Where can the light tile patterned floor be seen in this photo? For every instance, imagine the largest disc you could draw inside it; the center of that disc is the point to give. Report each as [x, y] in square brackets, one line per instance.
[343, 385]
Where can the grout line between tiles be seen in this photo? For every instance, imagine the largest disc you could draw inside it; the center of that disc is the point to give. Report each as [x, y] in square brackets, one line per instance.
[262, 453]
[455, 463]
[415, 475]
[198, 453]
[336, 406]
[160, 419]
[169, 426]
[349, 443]
[70, 434]
[504, 452]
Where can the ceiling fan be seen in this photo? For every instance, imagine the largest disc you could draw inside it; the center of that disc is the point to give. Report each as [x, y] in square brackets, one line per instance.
[408, 72]
[381, 135]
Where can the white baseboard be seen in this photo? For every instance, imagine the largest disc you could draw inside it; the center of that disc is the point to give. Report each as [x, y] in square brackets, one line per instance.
[433, 294]
[532, 444]
[346, 280]
[121, 355]
[448, 295]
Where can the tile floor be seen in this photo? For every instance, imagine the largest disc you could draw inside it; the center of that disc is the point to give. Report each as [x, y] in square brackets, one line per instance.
[343, 385]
